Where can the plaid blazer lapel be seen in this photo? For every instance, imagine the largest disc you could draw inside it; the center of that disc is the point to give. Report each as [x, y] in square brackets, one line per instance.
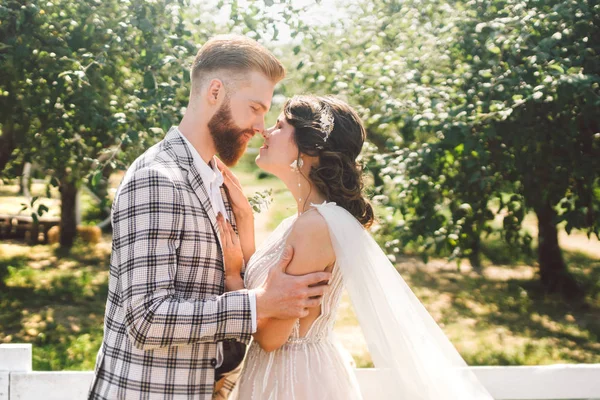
[198, 186]
[186, 161]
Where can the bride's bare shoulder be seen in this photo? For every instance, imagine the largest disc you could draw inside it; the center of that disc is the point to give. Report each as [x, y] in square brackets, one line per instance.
[312, 225]
[311, 242]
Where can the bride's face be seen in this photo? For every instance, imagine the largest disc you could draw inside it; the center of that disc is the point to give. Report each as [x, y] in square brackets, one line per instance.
[279, 149]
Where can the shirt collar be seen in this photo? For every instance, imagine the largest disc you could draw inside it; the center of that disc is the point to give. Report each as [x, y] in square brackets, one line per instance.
[210, 174]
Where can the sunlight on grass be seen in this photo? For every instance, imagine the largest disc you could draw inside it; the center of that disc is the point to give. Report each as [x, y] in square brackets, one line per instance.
[55, 303]
[503, 317]
[349, 333]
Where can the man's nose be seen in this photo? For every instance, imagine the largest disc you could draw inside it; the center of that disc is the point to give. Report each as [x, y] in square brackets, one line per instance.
[259, 127]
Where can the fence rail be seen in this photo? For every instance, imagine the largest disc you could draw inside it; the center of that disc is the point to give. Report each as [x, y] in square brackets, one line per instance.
[559, 381]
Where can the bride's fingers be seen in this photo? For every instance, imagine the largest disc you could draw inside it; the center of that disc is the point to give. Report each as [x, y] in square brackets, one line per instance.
[232, 180]
[229, 182]
[222, 230]
[226, 241]
[227, 172]
[234, 237]
[231, 186]
[221, 165]
[228, 238]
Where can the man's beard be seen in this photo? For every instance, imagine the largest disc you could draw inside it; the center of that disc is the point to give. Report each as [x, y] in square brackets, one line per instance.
[227, 136]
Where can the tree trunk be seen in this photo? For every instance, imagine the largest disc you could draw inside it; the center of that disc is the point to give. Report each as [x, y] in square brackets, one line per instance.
[554, 274]
[68, 219]
[33, 234]
[25, 187]
[475, 256]
[103, 192]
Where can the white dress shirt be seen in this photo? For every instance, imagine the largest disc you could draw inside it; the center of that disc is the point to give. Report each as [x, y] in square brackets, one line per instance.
[213, 180]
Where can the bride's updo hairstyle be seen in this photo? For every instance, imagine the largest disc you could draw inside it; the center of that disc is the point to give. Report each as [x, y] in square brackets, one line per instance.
[329, 129]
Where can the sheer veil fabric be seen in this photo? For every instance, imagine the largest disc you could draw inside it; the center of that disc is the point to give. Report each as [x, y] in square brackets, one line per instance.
[415, 359]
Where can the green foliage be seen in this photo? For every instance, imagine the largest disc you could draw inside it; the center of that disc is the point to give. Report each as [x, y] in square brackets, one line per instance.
[260, 201]
[477, 110]
[523, 132]
[85, 87]
[89, 85]
[31, 210]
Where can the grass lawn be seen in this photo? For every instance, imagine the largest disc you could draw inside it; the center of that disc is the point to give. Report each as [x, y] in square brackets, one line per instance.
[55, 302]
[499, 317]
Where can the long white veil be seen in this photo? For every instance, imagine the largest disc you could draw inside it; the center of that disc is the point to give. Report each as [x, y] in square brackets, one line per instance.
[416, 359]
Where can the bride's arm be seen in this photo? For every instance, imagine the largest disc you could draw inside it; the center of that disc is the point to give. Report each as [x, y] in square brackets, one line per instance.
[312, 252]
[244, 216]
[245, 227]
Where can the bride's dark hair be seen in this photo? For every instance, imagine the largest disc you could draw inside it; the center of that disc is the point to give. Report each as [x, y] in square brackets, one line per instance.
[338, 176]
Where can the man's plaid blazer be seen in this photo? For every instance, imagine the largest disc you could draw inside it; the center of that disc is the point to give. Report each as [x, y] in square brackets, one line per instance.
[166, 306]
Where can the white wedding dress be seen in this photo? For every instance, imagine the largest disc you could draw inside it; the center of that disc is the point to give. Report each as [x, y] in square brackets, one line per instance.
[314, 366]
[413, 357]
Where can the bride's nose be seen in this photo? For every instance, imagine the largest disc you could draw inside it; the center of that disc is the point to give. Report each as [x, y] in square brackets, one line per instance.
[266, 133]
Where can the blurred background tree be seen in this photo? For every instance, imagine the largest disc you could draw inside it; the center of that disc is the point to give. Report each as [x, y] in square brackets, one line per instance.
[479, 112]
[86, 83]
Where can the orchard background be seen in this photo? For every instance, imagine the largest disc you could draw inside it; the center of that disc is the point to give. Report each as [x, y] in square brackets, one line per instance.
[483, 154]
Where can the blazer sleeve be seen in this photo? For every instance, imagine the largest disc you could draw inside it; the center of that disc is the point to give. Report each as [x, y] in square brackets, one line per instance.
[147, 225]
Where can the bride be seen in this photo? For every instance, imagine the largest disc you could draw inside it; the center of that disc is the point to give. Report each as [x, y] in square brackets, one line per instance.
[313, 149]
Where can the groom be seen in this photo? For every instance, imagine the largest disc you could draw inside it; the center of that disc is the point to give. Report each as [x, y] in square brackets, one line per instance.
[169, 324]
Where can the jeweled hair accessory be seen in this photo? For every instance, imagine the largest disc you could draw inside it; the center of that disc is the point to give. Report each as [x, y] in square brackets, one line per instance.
[326, 121]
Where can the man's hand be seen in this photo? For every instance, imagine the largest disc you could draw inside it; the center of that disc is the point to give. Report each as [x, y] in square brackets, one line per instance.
[286, 296]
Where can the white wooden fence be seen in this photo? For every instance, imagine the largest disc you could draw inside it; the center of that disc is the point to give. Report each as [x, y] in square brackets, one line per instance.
[561, 381]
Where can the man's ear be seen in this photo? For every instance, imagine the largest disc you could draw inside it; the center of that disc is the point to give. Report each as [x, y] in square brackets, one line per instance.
[215, 88]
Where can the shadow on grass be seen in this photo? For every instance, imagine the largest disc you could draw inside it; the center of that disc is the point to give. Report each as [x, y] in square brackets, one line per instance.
[7, 264]
[499, 253]
[503, 300]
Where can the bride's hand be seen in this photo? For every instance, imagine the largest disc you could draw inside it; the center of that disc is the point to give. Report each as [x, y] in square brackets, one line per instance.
[233, 257]
[239, 202]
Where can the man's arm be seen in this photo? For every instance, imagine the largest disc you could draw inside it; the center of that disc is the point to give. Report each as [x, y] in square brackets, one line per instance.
[148, 222]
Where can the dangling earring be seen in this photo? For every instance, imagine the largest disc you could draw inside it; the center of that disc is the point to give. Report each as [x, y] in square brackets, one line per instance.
[296, 165]
[299, 163]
